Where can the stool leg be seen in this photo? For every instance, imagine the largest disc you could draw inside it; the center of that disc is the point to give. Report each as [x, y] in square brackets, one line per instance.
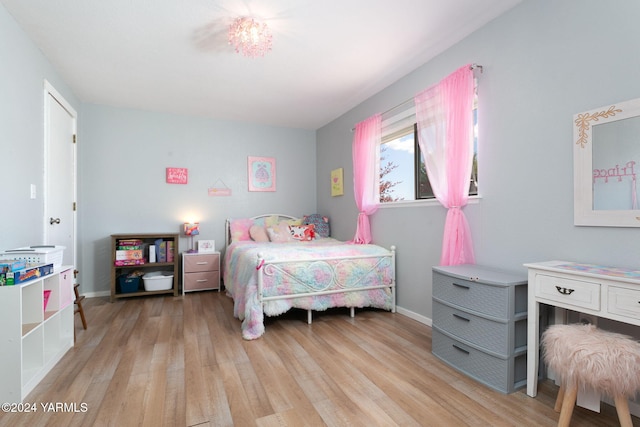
[558, 405]
[622, 408]
[568, 403]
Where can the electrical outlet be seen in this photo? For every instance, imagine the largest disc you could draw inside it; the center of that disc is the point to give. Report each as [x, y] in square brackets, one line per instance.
[588, 319]
[33, 191]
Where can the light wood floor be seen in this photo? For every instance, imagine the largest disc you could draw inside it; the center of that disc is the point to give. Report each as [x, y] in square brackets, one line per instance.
[182, 362]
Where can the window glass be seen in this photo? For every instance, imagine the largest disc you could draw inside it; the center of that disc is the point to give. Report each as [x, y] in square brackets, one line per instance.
[403, 175]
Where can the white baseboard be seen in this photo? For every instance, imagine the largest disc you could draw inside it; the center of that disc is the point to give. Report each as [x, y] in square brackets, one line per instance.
[415, 316]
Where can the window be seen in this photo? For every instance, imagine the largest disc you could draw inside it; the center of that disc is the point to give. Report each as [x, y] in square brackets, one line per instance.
[403, 175]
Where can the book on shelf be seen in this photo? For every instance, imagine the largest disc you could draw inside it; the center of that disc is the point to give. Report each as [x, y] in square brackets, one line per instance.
[123, 255]
[128, 262]
[129, 242]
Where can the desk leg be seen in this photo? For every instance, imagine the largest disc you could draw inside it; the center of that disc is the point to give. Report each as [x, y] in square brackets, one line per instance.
[533, 344]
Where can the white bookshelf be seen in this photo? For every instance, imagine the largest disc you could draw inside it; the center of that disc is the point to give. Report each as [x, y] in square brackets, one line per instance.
[33, 340]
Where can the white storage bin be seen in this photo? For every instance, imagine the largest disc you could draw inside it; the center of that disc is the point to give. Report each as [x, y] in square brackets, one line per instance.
[158, 281]
[43, 254]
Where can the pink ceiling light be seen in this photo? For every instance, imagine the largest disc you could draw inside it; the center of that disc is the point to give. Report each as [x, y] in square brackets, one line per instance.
[249, 37]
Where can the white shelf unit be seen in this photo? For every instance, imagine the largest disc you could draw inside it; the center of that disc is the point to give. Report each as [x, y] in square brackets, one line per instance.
[33, 340]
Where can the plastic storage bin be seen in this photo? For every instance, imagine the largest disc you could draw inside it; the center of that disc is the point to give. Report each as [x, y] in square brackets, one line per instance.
[128, 284]
[158, 281]
[36, 255]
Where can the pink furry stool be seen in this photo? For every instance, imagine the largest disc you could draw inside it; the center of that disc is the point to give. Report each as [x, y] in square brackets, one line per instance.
[587, 357]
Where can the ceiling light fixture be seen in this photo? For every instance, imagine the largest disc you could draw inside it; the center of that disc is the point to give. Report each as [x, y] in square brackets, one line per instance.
[249, 37]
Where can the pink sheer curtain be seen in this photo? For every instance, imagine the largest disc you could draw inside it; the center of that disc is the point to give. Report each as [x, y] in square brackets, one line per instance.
[445, 134]
[366, 141]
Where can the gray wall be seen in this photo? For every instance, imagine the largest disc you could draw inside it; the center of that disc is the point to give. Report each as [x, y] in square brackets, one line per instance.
[123, 155]
[22, 74]
[544, 61]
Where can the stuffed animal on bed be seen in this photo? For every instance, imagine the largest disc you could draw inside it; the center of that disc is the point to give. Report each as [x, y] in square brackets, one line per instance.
[303, 232]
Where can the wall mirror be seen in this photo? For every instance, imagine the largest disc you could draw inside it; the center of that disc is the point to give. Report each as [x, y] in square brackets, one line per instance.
[606, 155]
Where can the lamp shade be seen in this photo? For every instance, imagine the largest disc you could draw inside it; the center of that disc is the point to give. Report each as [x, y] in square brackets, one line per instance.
[191, 228]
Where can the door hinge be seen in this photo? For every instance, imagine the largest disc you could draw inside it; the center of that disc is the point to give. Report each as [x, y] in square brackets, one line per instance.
[74, 138]
[74, 207]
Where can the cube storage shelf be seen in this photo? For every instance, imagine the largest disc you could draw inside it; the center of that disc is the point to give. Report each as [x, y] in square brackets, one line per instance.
[147, 238]
[33, 340]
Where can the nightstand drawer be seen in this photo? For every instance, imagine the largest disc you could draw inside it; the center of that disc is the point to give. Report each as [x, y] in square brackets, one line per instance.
[200, 281]
[201, 262]
[576, 293]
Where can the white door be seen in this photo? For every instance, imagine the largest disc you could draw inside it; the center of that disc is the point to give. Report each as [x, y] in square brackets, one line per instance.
[60, 174]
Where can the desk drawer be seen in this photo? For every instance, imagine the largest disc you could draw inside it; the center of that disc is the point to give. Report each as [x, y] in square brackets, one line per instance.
[576, 293]
[624, 302]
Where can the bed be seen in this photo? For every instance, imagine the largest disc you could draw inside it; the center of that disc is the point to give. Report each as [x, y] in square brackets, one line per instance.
[270, 277]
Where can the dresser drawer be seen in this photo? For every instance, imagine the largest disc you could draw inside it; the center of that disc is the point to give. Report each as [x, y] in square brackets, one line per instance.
[482, 298]
[488, 334]
[624, 302]
[575, 293]
[200, 281]
[504, 375]
[201, 262]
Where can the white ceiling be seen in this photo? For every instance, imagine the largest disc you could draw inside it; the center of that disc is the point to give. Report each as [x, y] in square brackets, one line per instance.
[173, 56]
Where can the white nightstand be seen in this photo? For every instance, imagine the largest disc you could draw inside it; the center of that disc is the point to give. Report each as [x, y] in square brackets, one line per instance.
[200, 271]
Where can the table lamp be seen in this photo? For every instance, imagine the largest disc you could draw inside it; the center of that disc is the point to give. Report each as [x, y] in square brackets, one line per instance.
[191, 229]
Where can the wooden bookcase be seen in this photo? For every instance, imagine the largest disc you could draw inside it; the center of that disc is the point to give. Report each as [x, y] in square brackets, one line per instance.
[149, 239]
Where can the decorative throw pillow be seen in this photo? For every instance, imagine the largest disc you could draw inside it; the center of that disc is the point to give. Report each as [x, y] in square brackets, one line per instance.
[303, 232]
[321, 224]
[240, 229]
[258, 233]
[280, 233]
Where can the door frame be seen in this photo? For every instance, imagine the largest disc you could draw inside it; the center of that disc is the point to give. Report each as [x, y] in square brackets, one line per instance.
[49, 90]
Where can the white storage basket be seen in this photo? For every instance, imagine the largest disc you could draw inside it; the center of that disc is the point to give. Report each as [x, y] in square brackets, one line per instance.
[158, 281]
[43, 254]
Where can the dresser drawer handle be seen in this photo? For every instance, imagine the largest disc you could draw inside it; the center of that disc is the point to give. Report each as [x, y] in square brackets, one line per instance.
[565, 291]
[202, 262]
[460, 286]
[202, 280]
[460, 349]
[461, 317]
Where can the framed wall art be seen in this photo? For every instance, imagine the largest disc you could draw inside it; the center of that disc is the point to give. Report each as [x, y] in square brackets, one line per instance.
[261, 173]
[337, 183]
[206, 246]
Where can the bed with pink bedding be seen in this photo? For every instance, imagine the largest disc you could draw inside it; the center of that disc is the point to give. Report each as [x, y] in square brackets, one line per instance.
[268, 278]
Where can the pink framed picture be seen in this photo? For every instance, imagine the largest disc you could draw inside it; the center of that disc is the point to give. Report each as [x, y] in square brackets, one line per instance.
[177, 175]
[261, 173]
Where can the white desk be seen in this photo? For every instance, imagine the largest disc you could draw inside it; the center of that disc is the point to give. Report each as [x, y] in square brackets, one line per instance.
[608, 292]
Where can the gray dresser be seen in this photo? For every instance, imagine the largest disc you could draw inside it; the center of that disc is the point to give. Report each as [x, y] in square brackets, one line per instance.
[480, 324]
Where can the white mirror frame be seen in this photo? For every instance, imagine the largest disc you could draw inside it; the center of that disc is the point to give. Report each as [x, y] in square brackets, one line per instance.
[584, 214]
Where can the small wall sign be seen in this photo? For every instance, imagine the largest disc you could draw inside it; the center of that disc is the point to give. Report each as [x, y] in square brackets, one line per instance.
[177, 175]
[337, 183]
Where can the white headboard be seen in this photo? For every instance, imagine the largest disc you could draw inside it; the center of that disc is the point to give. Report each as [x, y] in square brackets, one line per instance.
[227, 224]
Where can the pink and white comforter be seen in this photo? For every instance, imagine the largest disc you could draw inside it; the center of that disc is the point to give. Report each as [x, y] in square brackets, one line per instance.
[297, 276]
